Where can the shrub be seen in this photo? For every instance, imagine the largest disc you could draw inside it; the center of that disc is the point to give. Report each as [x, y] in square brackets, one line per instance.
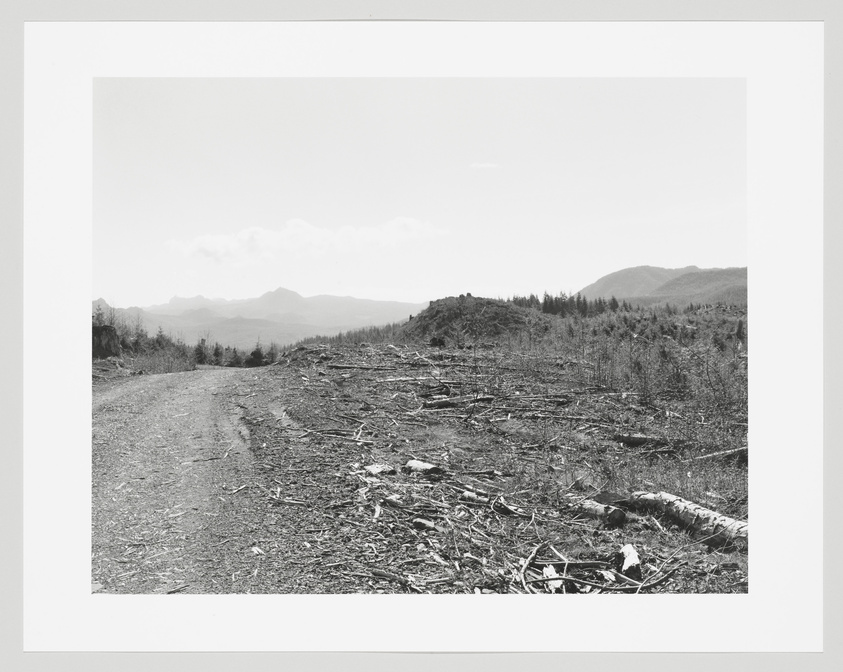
[255, 358]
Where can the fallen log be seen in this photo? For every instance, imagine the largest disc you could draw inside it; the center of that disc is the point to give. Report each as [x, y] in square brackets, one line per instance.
[635, 440]
[573, 564]
[692, 516]
[606, 513]
[360, 367]
[737, 452]
[473, 497]
[450, 402]
[419, 467]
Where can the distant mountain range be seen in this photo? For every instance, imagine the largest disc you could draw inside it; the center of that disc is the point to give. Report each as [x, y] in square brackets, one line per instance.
[648, 285]
[284, 317]
[281, 316]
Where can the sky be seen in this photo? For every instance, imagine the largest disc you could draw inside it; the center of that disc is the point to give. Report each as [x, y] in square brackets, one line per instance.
[410, 189]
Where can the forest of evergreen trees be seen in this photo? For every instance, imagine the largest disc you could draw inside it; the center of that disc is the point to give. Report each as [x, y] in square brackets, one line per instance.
[564, 305]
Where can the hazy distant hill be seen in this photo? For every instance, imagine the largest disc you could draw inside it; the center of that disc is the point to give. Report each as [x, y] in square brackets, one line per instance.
[178, 305]
[647, 285]
[716, 285]
[637, 281]
[281, 316]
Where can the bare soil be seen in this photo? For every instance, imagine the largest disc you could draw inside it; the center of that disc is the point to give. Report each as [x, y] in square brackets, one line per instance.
[168, 450]
[293, 478]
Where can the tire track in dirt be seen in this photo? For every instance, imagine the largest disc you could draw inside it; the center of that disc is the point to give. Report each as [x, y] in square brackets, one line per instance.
[168, 458]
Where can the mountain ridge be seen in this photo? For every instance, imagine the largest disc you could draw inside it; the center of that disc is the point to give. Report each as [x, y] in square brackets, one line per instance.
[284, 316]
[647, 285]
[281, 316]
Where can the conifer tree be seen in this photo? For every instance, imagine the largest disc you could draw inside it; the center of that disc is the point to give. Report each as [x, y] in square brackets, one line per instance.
[99, 316]
[200, 353]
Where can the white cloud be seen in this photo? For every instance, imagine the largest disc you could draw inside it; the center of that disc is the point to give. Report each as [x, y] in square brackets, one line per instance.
[390, 260]
[479, 165]
[298, 238]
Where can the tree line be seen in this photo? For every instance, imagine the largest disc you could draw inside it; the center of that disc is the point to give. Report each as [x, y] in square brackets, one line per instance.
[564, 305]
[163, 352]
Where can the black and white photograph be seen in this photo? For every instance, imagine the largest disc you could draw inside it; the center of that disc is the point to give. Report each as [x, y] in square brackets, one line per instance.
[423, 337]
[419, 335]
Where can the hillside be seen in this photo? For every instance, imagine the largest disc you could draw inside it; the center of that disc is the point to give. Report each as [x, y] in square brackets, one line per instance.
[719, 285]
[648, 285]
[179, 304]
[281, 316]
[636, 281]
[464, 319]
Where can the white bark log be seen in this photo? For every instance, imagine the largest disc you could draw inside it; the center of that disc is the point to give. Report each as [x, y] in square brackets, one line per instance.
[692, 516]
[469, 496]
[605, 512]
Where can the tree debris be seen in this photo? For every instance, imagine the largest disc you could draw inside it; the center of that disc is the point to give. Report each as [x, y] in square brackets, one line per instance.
[736, 452]
[630, 562]
[476, 481]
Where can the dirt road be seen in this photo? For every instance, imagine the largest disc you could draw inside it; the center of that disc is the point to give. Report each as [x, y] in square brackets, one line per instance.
[169, 453]
[202, 483]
